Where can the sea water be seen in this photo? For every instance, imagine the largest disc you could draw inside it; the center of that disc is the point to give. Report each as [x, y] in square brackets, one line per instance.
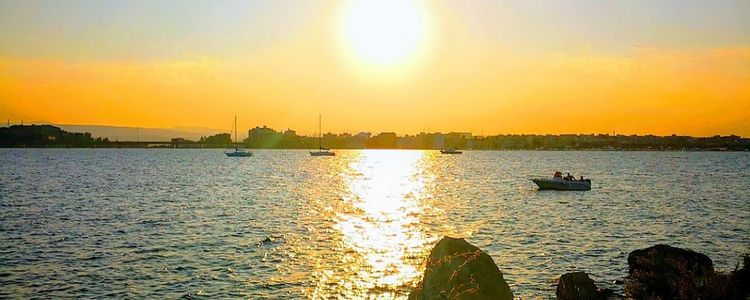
[168, 223]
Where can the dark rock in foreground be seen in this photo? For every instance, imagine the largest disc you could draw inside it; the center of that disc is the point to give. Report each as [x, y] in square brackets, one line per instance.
[665, 272]
[577, 286]
[458, 270]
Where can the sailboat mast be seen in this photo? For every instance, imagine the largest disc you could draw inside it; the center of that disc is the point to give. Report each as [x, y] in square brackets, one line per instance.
[320, 132]
[235, 130]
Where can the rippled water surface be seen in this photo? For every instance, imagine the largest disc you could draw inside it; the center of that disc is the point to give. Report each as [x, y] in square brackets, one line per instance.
[282, 224]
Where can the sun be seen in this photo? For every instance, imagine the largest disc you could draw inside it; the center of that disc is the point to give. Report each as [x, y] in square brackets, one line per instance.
[384, 32]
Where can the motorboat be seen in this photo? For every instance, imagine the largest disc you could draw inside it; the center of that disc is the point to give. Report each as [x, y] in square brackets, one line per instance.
[450, 151]
[560, 183]
[239, 153]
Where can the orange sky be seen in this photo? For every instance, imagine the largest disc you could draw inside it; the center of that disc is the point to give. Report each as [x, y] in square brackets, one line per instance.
[458, 80]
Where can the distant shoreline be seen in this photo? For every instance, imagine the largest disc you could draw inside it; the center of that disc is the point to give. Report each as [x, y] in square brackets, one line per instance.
[48, 136]
[408, 149]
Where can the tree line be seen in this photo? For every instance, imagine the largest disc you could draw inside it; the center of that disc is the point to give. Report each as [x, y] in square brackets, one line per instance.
[40, 136]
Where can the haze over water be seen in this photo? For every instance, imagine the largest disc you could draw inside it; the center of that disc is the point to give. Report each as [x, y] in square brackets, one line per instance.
[168, 223]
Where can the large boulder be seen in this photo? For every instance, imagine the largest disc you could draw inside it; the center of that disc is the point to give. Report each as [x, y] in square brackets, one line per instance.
[577, 286]
[456, 269]
[665, 272]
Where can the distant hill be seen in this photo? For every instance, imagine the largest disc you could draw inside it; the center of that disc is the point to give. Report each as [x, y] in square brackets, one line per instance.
[43, 136]
[117, 133]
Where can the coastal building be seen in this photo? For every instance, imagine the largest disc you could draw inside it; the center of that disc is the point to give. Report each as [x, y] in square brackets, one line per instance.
[263, 137]
[384, 140]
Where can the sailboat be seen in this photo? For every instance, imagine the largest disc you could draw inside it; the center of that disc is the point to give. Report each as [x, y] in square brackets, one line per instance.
[321, 151]
[237, 151]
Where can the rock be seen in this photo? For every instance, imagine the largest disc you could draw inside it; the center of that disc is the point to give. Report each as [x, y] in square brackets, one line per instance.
[265, 241]
[739, 280]
[577, 285]
[606, 293]
[270, 240]
[456, 269]
[665, 272]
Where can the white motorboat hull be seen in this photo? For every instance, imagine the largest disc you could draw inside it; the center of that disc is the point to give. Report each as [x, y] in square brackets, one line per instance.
[563, 185]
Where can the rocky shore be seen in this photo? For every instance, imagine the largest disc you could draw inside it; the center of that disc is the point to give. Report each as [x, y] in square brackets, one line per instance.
[456, 269]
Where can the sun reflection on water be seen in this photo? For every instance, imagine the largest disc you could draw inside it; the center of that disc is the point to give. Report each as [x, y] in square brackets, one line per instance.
[379, 226]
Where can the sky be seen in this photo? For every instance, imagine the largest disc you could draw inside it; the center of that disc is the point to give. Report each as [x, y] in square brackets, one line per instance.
[486, 67]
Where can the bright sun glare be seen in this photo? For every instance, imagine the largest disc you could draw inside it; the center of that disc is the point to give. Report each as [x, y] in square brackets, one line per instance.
[384, 32]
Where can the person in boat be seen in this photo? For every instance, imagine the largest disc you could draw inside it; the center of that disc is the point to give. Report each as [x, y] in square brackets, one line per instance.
[558, 174]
